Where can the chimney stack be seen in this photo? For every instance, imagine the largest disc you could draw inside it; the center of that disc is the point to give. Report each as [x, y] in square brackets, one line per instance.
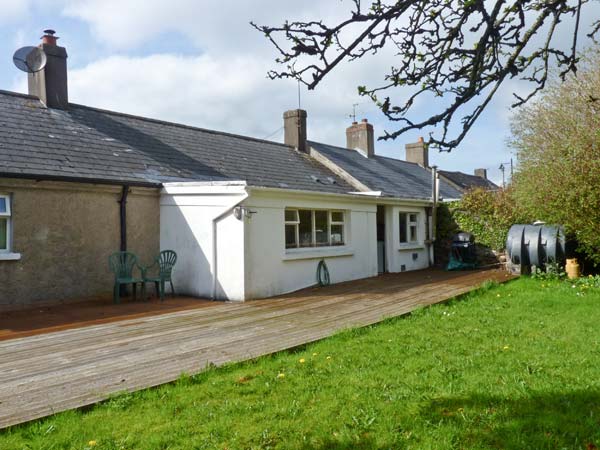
[294, 125]
[361, 136]
[481, 173]
[418, 153]
[50, 83]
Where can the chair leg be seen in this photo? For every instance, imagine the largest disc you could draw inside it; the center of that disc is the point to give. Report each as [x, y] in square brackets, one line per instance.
[172, 288]
[144, 299]
[134, 291]
[157, 288]
[116, 292]
[162, 290]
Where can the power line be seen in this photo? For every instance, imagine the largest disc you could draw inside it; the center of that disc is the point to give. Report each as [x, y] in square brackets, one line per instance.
[273, 133]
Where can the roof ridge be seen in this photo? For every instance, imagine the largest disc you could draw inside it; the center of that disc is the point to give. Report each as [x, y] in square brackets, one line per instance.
[176, 124]
[149, 119]
[375, 155]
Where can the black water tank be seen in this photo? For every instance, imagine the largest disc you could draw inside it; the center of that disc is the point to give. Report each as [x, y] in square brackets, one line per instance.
[535, 245]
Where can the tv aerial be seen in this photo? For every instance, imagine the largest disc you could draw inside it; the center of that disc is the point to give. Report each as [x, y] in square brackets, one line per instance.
[30, 59]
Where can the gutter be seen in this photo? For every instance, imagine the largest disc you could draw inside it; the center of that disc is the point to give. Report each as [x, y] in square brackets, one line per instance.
[215, 222]
[83, 180]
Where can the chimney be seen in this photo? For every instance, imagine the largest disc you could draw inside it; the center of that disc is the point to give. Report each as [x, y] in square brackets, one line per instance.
[481, 173]
[418, 153]
[294, 125]
[50, 83]
[361, 136]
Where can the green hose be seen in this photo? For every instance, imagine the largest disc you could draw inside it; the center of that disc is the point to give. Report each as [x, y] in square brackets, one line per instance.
[323, 274]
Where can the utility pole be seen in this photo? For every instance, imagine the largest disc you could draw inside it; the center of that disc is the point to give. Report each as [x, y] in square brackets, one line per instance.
[503, 169]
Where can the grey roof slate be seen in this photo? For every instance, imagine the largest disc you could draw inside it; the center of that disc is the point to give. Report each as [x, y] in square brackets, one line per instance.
[466, 181]
[85, 143]
[394, 177]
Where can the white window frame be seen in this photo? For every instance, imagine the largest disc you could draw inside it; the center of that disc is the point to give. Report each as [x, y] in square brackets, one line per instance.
[330, 222]
[7, 215]
[409, 223]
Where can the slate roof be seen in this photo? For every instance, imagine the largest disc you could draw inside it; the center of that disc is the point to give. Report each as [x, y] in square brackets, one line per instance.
[466, 181]
[88, 144]
[394, 177]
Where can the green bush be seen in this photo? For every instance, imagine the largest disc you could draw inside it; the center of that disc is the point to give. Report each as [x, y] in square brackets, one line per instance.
[488, 215]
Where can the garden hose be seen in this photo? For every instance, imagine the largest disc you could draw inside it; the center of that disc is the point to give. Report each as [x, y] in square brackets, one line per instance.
[323, 274]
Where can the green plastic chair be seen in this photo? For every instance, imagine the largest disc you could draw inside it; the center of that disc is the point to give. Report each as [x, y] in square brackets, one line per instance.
[122, 265]
[165, 261]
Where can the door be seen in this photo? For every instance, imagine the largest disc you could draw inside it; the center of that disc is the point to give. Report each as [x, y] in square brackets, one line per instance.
[381, 266]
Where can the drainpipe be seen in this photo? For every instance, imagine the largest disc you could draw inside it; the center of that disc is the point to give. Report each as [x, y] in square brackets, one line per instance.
[123, 226]
[215, 222]
[434, 198]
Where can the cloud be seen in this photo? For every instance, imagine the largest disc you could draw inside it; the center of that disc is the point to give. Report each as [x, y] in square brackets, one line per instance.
[13, 11]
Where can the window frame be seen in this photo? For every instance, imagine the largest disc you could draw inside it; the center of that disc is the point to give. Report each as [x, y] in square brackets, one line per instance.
[409, 224]
[330, 222]
[8, 216]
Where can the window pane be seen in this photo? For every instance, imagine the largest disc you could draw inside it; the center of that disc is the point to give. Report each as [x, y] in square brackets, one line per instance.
[291, 215]
[413, 233]
[305, 228]
[290, 236]
[337, 234]
[321, 227]
[413, 217]
[337, 216]
[3, 206]
[402, 227]
[3, 234]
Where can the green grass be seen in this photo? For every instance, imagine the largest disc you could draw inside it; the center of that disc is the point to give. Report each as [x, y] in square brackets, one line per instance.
[511, 366]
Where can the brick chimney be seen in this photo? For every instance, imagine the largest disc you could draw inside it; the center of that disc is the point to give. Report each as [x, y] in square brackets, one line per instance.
[361, 136]
[294, 125]
[418, 153]
[481, 173]
[50, 83]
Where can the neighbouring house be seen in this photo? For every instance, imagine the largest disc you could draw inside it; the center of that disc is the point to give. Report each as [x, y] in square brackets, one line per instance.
[248, 218]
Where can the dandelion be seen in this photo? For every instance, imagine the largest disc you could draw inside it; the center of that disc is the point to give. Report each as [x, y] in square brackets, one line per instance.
[281, 375]
[92, 443]
[328, 358]
[497, 295]
[506, 347]
[315, 354]
[301, 360]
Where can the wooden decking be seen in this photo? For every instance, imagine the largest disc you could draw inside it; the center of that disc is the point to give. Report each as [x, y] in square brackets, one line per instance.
[51, 372]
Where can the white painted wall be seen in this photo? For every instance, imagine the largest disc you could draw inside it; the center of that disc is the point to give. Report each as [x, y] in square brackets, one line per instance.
[402, 254]
[251, 260]
[187, 213]
[272, 270]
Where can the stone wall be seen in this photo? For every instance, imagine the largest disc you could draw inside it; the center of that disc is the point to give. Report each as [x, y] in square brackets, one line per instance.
[65, 233]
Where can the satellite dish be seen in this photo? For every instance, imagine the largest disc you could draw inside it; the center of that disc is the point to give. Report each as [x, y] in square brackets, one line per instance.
[30, 59]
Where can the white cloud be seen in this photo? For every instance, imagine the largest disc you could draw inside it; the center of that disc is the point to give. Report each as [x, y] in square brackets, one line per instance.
[14, 10]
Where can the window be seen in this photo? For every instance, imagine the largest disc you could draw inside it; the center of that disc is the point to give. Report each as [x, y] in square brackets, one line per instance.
[4, 223]
[409, 227]
[313, 228]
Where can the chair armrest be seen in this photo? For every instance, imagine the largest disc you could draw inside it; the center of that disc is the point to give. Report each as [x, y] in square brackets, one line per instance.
[144, 269]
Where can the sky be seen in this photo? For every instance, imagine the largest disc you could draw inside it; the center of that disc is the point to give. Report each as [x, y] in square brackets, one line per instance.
[199, 62]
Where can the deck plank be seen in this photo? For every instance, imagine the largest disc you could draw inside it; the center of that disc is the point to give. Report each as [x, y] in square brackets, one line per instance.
[54, 371]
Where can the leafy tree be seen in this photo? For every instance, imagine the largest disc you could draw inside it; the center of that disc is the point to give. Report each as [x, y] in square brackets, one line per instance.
[461, 50]
[557, 139]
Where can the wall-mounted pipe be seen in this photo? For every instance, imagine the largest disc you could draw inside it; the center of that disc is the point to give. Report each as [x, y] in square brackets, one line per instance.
[123, 227]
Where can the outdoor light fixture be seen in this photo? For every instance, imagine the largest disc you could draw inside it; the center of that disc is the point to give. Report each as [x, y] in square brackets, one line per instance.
[241, 212]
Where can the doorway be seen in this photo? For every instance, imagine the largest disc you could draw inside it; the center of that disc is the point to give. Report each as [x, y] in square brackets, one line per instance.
[381, 263]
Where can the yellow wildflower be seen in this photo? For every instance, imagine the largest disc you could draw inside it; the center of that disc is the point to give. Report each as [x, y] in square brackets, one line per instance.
[506, 347]
[281, 375]
[301, 360]
[329, 357]
[92, 443]
[315, 354]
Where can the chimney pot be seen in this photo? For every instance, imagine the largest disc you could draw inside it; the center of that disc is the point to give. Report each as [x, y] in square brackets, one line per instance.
[361, 136]
[294, 125]
[48, 38]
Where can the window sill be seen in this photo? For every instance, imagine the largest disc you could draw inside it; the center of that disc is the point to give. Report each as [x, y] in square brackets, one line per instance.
[317, 253]
[10, 256]
[408, 247]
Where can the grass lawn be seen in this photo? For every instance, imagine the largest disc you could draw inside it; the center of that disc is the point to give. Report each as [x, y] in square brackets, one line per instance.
[511, 366]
